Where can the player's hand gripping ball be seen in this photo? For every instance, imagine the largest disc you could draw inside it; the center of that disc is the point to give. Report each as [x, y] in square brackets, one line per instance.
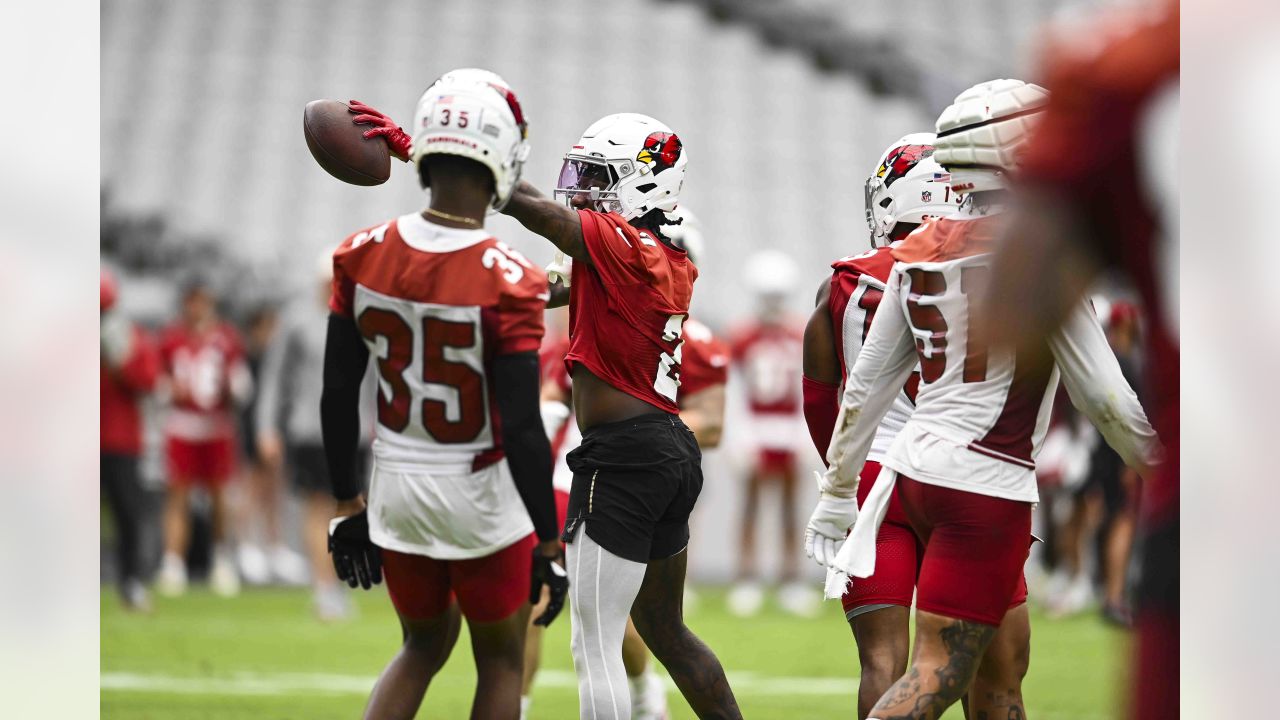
[356, 560]
[347, 151]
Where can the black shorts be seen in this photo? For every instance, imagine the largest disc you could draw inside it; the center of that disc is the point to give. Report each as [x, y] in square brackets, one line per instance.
[636, 481]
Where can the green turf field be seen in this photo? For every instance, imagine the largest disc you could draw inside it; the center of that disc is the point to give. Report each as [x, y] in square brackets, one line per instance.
[262, 656]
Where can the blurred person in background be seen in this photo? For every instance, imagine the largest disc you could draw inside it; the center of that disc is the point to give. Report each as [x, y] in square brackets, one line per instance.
[261, 553]
[460, 503]
[907, 188]
[1098, 533]
[963, 465]
[767, 353]
[203, 360]
[1099, 190]
[130, 366]
[701, 397]
[289, 437]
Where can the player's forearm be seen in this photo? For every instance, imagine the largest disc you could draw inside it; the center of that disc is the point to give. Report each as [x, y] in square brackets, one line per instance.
[1097, 387]
[544, 216]
[345, 357]
[524, 440]
[821, 406]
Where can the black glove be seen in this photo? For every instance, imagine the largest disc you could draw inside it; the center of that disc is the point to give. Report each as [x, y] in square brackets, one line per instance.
[355, 558]
[548, 571]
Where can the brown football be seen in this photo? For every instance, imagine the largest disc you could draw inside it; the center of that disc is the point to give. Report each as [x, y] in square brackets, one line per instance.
[340, 147]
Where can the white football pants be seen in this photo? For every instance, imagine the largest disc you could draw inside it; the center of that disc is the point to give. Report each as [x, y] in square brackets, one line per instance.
[602, 588]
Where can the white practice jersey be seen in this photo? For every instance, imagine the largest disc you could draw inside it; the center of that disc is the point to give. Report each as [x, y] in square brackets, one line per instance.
[981, 413]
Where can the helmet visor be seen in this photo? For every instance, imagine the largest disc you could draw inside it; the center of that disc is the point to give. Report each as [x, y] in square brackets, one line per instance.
[585, 183]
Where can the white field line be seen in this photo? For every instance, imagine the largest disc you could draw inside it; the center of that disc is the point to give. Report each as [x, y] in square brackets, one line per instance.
[245, 683]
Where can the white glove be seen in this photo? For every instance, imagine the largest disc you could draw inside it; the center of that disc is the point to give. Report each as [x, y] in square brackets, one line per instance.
[561, 268]
[828, 526]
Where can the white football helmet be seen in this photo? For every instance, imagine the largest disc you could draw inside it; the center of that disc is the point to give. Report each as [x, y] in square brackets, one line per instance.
[982, 133]
[908, 186]
[771, 272]
[628, 163]
[688, 234]
[474, 114]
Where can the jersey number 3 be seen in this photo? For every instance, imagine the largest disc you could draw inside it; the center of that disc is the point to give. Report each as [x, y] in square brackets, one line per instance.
[437, 334]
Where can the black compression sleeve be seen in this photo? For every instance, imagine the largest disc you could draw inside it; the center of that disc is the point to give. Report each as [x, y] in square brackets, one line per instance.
[515, 380]
[345, 359]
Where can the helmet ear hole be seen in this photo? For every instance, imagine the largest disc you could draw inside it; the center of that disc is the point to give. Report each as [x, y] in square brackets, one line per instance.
[647, 187]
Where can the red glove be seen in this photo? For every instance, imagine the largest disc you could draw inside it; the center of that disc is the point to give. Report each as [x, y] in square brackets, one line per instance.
[397, 139]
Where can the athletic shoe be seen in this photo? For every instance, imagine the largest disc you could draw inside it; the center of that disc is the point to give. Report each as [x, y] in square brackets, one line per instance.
[1076, 599]
[254, 567]
[332, 604]
[134, 596]
[289, 567]
[648, 697]
[223, 577]
[745, 599]
[171, 581]
[799, 599]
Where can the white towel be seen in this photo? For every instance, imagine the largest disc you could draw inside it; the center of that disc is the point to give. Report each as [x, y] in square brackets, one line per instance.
[857, 555]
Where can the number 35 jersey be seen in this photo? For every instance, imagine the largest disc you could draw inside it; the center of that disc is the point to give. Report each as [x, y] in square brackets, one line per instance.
[981, 412]
[435, 305]
[627, 309]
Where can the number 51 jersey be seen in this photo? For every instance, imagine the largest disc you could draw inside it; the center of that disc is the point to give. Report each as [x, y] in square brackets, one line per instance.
[981, 413]
[435, 305]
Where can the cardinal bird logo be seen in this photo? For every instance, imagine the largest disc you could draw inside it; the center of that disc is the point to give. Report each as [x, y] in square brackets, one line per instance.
[900, 160]
[661, 150]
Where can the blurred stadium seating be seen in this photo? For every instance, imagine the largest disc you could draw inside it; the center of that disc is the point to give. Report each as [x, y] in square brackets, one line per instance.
[783, 107]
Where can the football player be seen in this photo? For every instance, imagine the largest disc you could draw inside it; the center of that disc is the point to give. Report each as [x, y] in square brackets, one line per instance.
[907, 189]
[203, 360]
[130, 364]
[637, 474]
[452, 319]
[766, 359]
[1100, 190]
[963, 466]
[701, 397]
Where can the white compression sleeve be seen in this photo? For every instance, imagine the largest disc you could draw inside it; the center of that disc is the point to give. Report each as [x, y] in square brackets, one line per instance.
[603, 587]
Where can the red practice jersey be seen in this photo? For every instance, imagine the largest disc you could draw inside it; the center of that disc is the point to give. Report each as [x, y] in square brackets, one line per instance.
[627, 309]
[706, 360]
[122, 390]
[769, 356]
[551, 359]
[857, 284]
[435, 306]
[1106, 146]
[206, 371]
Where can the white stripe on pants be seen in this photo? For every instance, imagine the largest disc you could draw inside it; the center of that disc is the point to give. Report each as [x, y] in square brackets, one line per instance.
[602, 588]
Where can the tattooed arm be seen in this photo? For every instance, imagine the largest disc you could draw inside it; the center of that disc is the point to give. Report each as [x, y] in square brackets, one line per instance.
[558, 223]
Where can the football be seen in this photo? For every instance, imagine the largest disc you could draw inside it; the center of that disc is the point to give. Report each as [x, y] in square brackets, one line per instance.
[340, 147]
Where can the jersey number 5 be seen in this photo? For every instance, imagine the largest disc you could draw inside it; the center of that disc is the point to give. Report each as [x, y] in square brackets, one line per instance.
[667, 381]
[928, 318]
[437, 334]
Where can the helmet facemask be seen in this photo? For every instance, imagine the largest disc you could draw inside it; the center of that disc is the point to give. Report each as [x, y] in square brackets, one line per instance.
[588, 183]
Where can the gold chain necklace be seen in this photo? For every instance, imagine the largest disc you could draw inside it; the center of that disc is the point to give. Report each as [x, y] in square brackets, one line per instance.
[454, 218]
